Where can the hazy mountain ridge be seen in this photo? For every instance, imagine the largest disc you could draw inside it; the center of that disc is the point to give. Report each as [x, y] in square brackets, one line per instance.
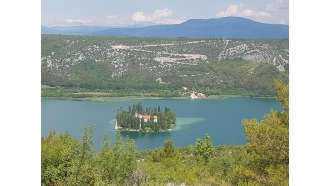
[227, 27]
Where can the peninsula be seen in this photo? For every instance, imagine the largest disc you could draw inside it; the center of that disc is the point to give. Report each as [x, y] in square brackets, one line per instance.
[145, 120]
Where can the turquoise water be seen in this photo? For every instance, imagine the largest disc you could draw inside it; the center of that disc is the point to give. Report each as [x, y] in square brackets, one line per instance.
[221, 119]
[183, 123]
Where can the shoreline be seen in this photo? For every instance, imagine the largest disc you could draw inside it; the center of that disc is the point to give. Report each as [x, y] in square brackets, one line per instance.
[117, 128]
[104, 99]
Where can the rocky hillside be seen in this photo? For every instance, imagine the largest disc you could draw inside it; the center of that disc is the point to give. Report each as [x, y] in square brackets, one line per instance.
[75, 58]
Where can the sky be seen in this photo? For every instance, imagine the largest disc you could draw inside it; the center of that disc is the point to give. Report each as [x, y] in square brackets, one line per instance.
[148, 12]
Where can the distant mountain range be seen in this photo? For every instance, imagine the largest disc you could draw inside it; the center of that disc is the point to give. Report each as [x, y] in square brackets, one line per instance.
[227, 27]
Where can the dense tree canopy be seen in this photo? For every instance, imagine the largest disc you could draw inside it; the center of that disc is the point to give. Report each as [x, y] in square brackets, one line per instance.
[145, 119]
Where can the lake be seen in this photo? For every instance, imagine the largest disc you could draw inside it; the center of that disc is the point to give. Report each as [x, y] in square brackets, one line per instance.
[220, 118]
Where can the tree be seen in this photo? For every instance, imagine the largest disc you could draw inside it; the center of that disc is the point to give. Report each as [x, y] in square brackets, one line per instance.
[116, 163]
[83, 176]
[58, 155]
[268, 144]
[204, 148]
[67, 161]
[169, 149]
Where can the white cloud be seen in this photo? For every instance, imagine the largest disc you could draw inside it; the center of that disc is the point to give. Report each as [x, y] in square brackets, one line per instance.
[253, 13]
[172, 21]
[77, 21]
[231, 10]
[276, 12]
[140, 17]
[239, 10]
[163, 16]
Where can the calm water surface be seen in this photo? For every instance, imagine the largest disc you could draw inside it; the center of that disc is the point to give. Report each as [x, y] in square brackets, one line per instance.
[221, 119]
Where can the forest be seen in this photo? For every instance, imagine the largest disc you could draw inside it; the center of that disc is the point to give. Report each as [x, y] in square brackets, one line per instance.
[147, 120]
[263, 160]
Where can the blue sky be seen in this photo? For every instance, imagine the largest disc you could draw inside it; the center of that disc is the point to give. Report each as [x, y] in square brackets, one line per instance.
[147, 12]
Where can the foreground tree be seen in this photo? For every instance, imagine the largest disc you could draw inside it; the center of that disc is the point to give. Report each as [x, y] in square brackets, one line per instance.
[268, 145]
[204, 149]
[169, 149]
[118, 162]
[84, 173]
[67, 161]
[58, 157]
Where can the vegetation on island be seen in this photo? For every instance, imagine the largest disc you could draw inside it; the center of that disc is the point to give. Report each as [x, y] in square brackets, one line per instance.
[264, 160]
[147, 120]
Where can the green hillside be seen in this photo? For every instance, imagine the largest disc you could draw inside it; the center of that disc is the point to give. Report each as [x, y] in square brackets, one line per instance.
[125, 66]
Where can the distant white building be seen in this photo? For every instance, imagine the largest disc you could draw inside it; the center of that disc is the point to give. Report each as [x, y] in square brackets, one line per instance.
[193, 95]
[146, 118]
[159, 80]
[200, 95]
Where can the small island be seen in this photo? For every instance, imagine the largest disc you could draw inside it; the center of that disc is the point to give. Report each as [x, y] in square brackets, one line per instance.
[145, 120]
